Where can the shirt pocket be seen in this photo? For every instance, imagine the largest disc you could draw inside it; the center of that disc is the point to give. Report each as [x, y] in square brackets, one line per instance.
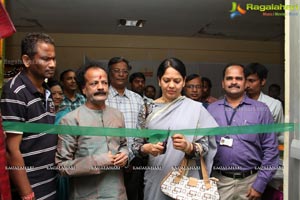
[250, 138]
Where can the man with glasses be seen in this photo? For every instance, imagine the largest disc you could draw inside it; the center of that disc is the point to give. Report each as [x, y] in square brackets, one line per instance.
[193, 87]
[129, 103]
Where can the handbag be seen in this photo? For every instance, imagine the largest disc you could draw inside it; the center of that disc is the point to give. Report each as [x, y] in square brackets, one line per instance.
[180, 187]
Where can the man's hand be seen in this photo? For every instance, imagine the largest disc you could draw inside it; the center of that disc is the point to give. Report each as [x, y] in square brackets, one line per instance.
[253, 194]
[14, 157]
[120, 159]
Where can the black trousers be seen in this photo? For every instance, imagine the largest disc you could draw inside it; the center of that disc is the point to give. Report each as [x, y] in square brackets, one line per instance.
[134, 179]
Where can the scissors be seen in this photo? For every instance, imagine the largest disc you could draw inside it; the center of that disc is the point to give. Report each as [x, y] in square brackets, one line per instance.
[165, 142]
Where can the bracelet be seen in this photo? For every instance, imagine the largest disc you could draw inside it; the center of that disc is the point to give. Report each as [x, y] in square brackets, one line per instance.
[192, 153]
[141, 153]
[30, 196]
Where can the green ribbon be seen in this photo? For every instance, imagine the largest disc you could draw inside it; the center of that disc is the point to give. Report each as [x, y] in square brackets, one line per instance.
[153, 135]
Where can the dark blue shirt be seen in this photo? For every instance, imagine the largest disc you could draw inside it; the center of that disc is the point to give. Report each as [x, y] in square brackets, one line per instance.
[22, 102]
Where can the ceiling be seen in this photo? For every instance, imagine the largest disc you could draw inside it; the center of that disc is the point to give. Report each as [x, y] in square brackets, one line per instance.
[187, 18]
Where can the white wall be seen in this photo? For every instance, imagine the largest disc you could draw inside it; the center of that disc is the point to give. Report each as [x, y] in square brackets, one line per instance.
[201, 55]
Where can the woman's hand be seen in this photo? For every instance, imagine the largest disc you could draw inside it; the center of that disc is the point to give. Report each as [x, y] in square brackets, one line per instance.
[153, 149]
[180, 143]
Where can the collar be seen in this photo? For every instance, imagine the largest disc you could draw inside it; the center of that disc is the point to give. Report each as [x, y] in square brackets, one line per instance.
[261, 96]
[31, 88]
[95, 111]
[245, 101]
[77, 96]
[114, 93]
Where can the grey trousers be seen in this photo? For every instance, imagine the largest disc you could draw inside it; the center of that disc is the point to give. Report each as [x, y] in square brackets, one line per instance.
[233, 189]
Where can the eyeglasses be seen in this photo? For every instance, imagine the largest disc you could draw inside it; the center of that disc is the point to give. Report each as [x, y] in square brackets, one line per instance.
[118, 71]
[193, 86]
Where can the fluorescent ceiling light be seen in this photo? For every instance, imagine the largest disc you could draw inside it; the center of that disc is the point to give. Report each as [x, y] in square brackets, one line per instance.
[132, 23]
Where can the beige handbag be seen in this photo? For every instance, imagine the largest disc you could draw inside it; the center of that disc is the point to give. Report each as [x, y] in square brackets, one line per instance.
[178, 186]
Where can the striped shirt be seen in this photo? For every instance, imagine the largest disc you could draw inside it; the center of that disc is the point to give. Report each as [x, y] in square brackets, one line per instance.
[129, 104]
[22, 102]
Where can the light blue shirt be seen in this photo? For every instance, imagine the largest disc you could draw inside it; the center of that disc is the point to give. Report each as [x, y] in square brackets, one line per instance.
[129, 104]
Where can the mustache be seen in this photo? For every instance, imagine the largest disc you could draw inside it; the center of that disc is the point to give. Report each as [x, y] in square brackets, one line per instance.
[100, 93]
[234, 86]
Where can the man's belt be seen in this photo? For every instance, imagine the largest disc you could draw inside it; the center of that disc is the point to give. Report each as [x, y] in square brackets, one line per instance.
[237, 174]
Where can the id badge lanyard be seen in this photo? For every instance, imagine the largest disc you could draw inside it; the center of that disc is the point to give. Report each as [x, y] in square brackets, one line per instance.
[229, 121]
[227, 141]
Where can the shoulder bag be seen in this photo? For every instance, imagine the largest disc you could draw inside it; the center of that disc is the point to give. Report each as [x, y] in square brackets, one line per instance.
[180, 187]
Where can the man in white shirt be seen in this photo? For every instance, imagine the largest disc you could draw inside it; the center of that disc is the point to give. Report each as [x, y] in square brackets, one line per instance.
[129, 103]
[256, 78]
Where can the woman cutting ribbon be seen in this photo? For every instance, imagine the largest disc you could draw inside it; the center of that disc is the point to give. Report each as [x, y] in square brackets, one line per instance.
[173, 112]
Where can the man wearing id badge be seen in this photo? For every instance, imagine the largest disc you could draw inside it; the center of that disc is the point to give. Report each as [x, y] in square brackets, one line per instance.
[244, 163]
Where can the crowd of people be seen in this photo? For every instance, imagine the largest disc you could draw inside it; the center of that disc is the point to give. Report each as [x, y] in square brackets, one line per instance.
[68, 166]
